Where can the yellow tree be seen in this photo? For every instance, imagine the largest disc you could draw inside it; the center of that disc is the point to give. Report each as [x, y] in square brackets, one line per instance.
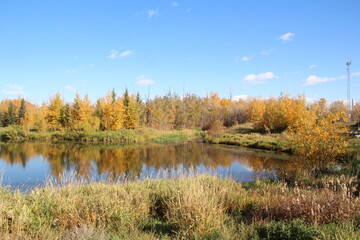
[81, 110]
[53, 116]
[338, 108]
[255, 112]
[130, 112]
[112, 112]
[225, 108]
[133, 113]
[319, 140]
[319, 107]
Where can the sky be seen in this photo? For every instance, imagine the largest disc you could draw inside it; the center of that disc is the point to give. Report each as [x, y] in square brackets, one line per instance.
[234, 47]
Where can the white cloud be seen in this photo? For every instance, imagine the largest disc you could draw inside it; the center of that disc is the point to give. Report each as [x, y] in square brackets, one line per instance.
[69, 88]
[152, 13]
[267, 52]
[127, 53]
[241, 97]
[174, 4]
[72, 71]
[114, 54]
[313, 66]
[143, 81]
[14, 90]
[254, 79]
[246, 58]
[287, 37]
[314, 80]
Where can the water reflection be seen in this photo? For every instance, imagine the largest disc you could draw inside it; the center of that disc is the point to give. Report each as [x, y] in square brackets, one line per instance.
[131, 161]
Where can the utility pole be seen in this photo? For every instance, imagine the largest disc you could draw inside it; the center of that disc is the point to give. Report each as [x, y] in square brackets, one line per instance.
[348, 64]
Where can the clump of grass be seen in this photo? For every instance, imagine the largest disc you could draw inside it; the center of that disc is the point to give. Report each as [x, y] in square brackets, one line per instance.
[294, 230]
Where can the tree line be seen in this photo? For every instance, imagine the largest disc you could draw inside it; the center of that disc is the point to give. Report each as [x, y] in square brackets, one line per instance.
[171, 111]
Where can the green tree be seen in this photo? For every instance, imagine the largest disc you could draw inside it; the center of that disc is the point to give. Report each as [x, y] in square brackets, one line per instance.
[11, 116]
[140, 109]
[22, 111]
[1, 119]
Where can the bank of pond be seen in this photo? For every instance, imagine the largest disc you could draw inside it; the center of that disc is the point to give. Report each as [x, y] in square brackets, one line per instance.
[271, 142]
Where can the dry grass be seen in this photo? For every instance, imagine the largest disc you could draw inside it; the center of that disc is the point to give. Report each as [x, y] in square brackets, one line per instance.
[195, 207]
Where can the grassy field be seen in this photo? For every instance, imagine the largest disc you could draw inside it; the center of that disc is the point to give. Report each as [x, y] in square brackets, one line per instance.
[195, 207]
[124, 136]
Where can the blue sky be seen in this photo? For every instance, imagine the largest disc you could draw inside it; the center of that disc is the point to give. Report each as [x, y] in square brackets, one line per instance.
[257, 48]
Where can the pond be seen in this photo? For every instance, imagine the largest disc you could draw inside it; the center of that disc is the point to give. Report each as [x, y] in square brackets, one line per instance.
[31, 164]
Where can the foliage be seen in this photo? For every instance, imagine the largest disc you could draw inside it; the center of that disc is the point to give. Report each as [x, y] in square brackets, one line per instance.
[319, 139]
[54, 112]
[167, 112]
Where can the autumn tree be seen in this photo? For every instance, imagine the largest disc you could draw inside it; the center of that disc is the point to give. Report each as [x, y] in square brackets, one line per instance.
[131, 113]
[67, 117]
[112, 112]
[320, 140]
[255, 112]
[39, 119]
[54, 112]
[81, 111]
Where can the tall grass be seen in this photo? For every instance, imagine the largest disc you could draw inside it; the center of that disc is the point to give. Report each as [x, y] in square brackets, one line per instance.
[192, 207]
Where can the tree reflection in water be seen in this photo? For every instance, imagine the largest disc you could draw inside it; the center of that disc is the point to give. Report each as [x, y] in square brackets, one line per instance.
[131, 161]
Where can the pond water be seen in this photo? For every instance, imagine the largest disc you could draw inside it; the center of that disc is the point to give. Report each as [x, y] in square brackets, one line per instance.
[30, 164]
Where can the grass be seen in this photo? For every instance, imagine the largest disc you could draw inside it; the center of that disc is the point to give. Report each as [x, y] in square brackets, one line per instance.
[245, 136]
[272, 142]
[123, 136]
[193, 207]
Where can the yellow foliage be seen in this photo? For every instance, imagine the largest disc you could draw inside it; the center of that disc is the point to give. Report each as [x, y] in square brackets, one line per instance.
[112, 113]
[53, 116]
[319, 140]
